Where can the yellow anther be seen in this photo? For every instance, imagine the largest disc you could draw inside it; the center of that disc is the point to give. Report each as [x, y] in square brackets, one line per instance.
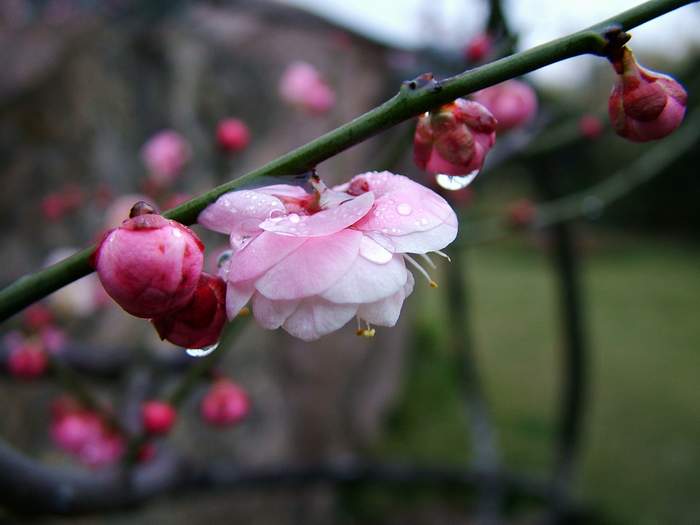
[245, 311]
[366, 332]
[433, 284]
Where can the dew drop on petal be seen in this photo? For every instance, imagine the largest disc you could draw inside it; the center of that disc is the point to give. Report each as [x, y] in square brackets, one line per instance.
[404, 209]
[223, 258]
[201, 352]
[455, 182]
[294, 218]
[176, 232]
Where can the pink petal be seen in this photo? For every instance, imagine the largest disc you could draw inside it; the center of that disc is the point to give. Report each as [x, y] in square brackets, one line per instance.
[315, 317]
[367, 282]
[386, 311]
[418, 242]
[284, 190]
[312, 268]
[272, 314]
[325, 222]
[372, 251]
[237, 296]
[260, 254]
[239, 212]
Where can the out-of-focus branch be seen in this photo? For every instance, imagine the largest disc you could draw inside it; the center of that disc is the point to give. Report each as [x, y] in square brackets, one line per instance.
[409, 102]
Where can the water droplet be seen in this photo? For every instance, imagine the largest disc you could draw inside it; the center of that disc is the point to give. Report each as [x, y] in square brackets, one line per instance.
[404, 209]
[294, 218]
[176, 232]
[201, 352]
[275, 215]
[223, 258]
[455, 182]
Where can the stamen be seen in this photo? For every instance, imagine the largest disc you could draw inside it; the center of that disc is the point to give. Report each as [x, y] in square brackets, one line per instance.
[418, 267]
[428, 260]
[244, 312]
[364, 332]
[443, 254]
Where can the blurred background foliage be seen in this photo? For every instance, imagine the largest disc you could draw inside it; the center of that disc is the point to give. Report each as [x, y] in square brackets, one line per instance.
[85, 84]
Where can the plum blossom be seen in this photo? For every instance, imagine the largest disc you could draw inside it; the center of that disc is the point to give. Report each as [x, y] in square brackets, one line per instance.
[310, 262]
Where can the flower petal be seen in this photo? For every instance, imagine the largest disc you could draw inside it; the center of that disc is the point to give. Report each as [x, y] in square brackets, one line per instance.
[237, 296]
[367, 282]
[386, 312]
[418, 242]
[271, 314]
[325, 222]
[316, 317]
[373, 251]
[316, 265]
[260, 254]
[239, 212]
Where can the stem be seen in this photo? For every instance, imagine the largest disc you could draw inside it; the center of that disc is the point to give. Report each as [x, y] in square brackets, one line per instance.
[406, 104]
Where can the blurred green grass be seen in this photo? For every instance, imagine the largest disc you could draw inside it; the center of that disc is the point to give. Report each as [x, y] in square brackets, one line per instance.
[640, 459]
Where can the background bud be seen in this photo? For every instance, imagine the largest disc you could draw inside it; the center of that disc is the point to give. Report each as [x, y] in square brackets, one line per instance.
[232, 135]
[225, 404]
[158, 417]
[512, 103]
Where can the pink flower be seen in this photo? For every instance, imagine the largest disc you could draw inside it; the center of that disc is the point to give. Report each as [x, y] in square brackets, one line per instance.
[199, 323]
[310, 262]
[158, 417]
[149, 265]
[644, 105]
[232, 135]
[165, 155]
[301, 85]
[512, 103]
[455, 139]
[224, 404]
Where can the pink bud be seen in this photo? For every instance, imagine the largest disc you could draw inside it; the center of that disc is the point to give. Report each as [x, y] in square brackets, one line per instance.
[165, 155]
[644, 105]
[53, 339]
[521, 213]
[150, 265]
[158, 417]
[199, 323]
[52, 207]
[302, 85]
[38, 316]
[103, 450]
[478, 48]
[27, 361]
[232, 135]
[225, 404]
[512, 103]
[590, 126]
[75, 429]
[455, 139]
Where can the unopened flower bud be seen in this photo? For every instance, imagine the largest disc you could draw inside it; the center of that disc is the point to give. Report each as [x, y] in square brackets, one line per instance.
[158, 417]
[478, 48]
[590, 126]
[150, 265]
[512, 103]
[455, 139]
[232, 135]
[27, 360]
[521, 214]
[225, 404]
[199, 323]
[303, 86]
[165, 154]
[644, 105]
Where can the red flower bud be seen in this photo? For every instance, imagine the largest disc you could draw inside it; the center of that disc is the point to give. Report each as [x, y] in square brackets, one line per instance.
[199, 323]
[225, 404]
[150, 265]
[27, 361]
[38, 316]
[590, 126]
[455, 139]
[512, 103]
[232, 135]
[644, 105]
[158, 417]
[478, 48]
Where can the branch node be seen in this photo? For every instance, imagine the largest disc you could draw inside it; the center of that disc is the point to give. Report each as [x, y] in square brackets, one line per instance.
[615, 38]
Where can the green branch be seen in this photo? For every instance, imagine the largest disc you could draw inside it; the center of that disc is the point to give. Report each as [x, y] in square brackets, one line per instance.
[407, 104]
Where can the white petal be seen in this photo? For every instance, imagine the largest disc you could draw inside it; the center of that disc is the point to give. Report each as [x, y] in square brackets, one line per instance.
[373, 251]
[316, 317]
[419, 242]
[366, 282]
